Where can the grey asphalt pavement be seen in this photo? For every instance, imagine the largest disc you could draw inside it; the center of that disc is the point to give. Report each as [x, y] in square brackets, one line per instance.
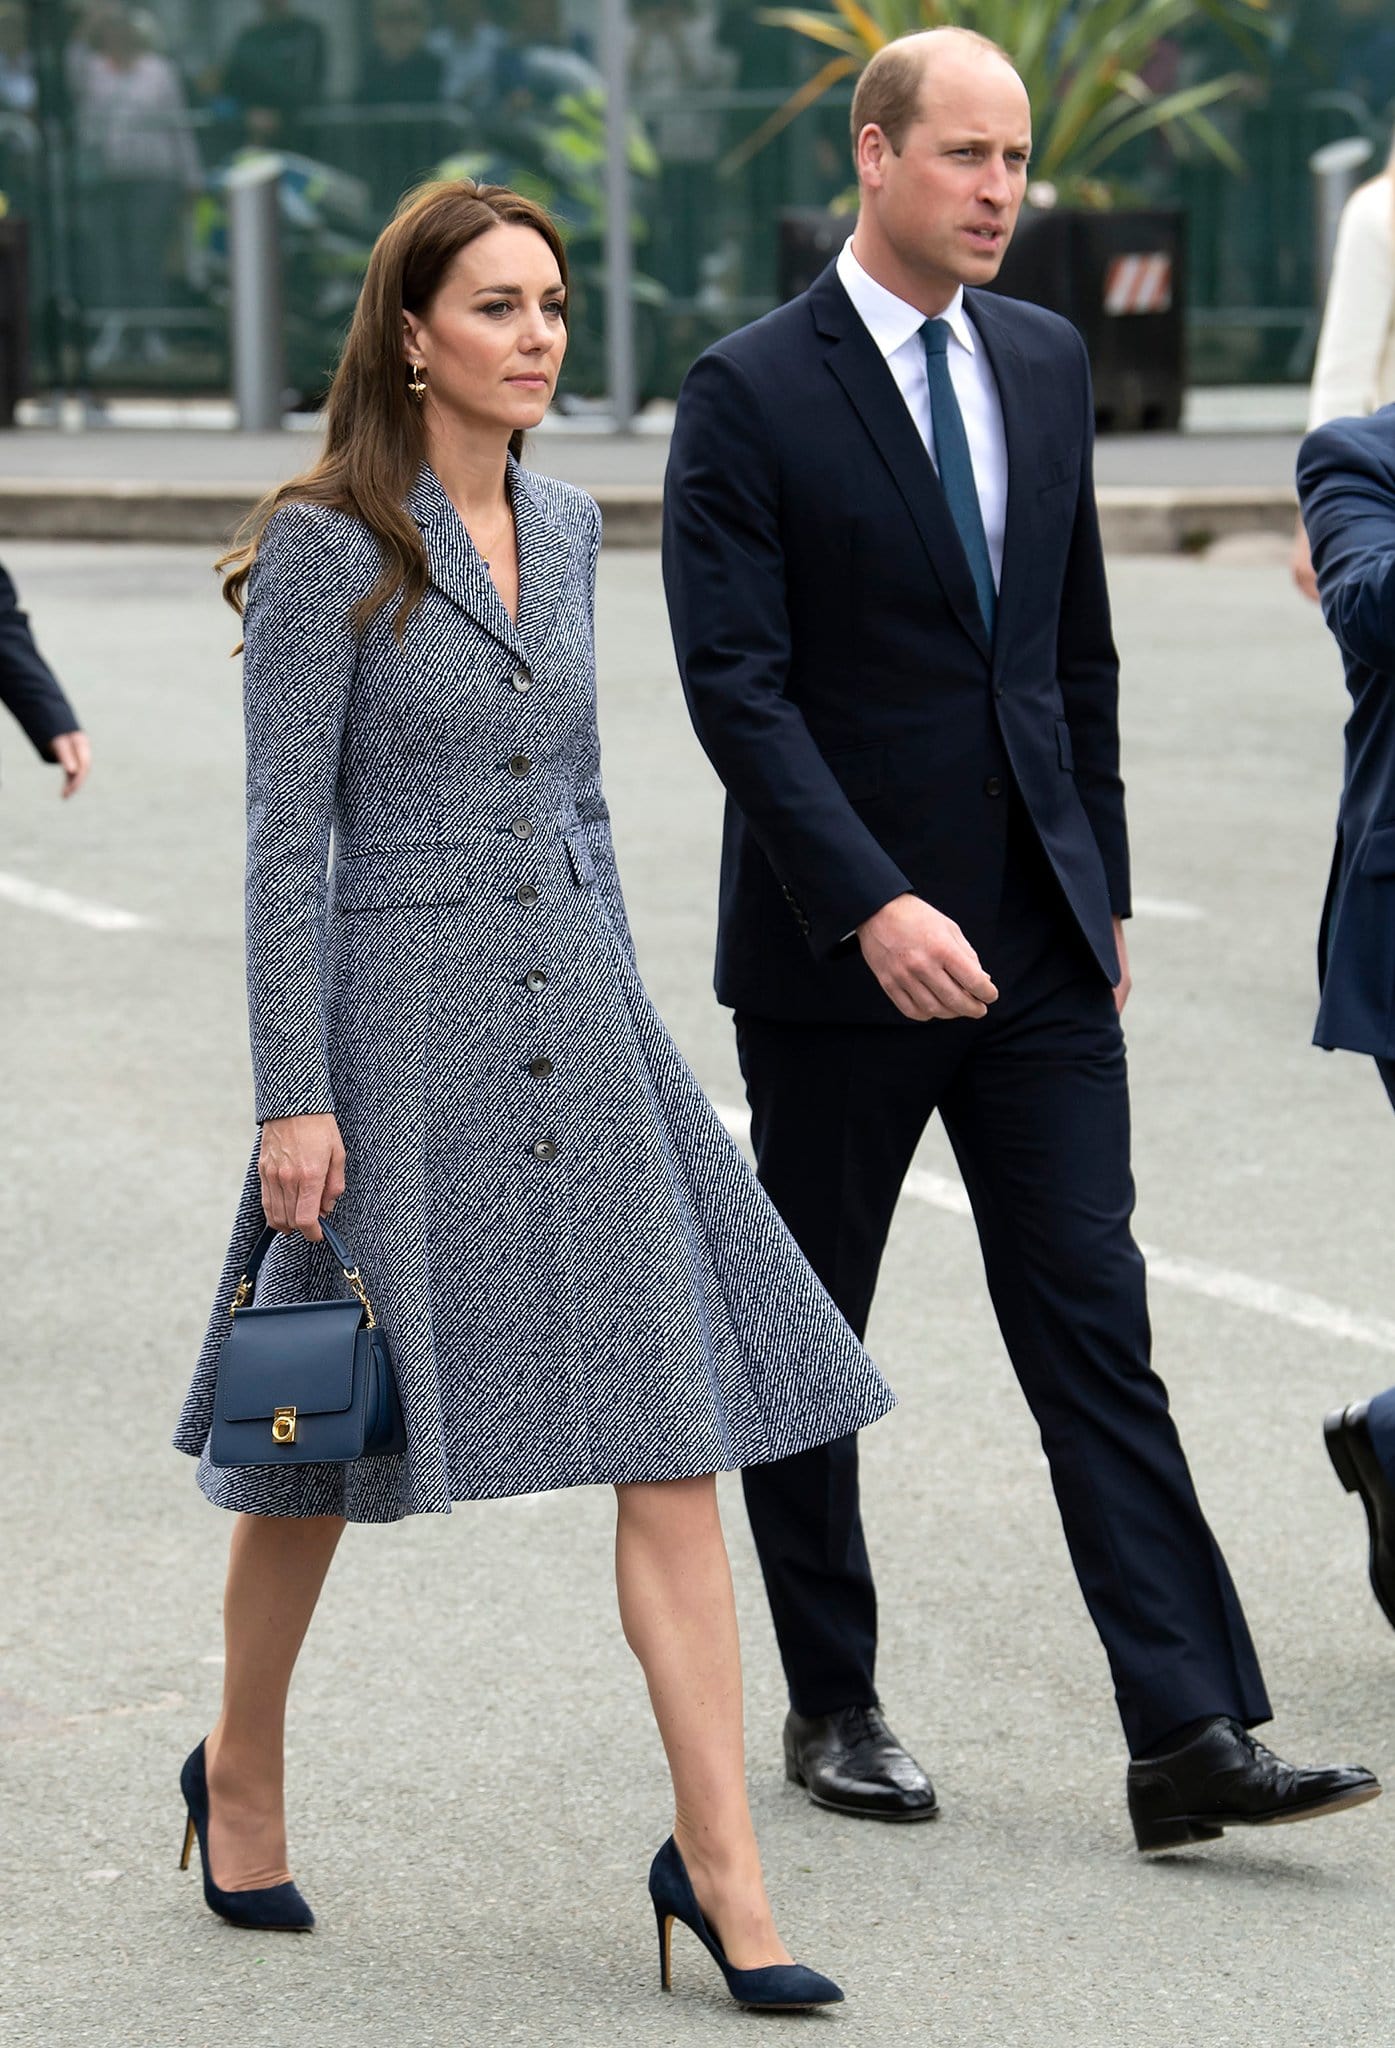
[476, 1784]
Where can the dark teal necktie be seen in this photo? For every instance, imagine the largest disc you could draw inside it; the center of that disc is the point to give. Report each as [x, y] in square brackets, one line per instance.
[951, 446]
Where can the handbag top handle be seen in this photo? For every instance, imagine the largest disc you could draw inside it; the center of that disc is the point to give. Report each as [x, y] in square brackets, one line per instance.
[247, 1284]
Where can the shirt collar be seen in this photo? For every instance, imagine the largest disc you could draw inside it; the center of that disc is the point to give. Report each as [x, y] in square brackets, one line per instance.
[890, 321]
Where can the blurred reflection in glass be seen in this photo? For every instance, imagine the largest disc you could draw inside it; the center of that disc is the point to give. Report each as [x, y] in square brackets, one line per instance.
[276, 72]
[675, 56]
[401, 75]
[137, 161]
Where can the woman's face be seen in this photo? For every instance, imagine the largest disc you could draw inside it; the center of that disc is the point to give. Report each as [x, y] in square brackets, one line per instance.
[493, 338]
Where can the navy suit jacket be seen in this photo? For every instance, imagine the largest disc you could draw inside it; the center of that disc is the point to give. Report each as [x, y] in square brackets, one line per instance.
[836, 664]
[28, 686]
[1346, 483]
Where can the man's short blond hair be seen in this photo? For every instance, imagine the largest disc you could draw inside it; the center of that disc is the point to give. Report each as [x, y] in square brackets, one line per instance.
[888, 92]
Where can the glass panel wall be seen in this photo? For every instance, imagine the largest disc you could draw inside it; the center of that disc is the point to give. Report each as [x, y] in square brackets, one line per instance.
[119, 123]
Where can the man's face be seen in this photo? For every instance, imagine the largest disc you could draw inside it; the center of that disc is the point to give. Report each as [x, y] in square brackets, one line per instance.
[948, 203]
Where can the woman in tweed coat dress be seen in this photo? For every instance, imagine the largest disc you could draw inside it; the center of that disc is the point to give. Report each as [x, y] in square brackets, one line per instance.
[580, 1279]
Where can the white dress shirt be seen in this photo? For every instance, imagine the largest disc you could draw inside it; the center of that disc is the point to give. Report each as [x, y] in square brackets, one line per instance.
[895, 327]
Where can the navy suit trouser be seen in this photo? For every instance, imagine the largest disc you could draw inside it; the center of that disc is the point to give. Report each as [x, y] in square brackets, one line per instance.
[1034, 1100]
[1380, 1414]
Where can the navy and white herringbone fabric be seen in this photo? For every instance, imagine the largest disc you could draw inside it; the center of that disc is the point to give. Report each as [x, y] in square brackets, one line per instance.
[580, 1277]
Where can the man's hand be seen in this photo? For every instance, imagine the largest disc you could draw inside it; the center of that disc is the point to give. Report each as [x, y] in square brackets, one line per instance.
[924, 962]
[1301, 563]
[301, 1165]
[1125, 982]
[73, 753]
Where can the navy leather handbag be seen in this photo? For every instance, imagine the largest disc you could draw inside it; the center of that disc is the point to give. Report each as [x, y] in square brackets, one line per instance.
[307, 1382]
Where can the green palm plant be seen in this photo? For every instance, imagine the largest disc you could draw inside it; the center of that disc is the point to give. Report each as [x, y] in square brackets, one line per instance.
[1082, 62]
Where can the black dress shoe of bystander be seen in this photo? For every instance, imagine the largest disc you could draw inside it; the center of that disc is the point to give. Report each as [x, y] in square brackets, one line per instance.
[1224, 1779]
[850, 1762]
[1349, 1446]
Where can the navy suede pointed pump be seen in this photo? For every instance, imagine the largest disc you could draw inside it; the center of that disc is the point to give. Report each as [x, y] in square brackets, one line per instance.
[779, 1987]
[268, 1907]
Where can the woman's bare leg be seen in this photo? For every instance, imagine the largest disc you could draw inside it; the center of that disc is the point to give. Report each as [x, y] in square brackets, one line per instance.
[679, 1617]
[276, 1567]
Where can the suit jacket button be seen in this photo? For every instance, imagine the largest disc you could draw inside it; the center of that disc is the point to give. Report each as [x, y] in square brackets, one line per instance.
[525, 894]
[522, 828]
[993, 786]
[520, 766]
[536, 980]
[543, 1148]
[541, 1068]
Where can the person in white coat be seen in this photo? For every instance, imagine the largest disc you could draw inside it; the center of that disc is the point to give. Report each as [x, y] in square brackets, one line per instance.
[1355, 369]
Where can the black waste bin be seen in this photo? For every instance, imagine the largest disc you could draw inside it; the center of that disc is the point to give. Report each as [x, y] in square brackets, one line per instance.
[14, 316]
[1120, 277]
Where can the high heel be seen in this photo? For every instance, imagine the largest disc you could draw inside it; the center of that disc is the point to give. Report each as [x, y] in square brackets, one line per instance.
[779, 1987]
[266, 1907]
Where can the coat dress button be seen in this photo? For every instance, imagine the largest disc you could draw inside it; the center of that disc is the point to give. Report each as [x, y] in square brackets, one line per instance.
[541, 1068]
[536, 980]
[522, 828]
[993, 786]
[520, 766]
[521, 679]
[544, 1148]
[525, 894]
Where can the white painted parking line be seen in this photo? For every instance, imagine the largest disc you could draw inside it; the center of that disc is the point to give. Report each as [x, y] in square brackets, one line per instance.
[1193, 1276]
[1168, 908]
[98, 917]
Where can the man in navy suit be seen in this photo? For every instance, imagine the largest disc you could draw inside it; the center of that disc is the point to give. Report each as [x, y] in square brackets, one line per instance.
[1346, 484]
[888, 600]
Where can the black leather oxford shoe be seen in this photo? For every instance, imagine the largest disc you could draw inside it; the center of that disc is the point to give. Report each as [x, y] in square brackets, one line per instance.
[1353, 1455]
[1222, 1778]
[851, 1762]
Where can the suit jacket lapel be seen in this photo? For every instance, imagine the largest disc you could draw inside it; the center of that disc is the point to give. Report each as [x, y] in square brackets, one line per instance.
[1014, 382]
[455, 567]
[861, 369]
[544, 558]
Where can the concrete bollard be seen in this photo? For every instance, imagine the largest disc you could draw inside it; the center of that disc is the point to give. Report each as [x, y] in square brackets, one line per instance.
[254, 287]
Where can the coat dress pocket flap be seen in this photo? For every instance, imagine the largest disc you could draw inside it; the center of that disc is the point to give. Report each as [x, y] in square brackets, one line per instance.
[1378, 852]
[579, 854]
[407, 877]
[301, 1357]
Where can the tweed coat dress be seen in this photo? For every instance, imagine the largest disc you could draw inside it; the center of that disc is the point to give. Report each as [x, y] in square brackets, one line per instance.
[580, 1278]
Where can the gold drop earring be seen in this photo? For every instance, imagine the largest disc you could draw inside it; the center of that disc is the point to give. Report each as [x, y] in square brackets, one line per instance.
[417, 382]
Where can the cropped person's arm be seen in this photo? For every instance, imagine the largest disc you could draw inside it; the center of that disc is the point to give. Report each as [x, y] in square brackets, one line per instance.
[1347, 493]
[28, 686]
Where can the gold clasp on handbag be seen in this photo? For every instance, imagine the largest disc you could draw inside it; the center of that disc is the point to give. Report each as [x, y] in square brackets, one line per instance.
[239, 1300]
[283, 1425]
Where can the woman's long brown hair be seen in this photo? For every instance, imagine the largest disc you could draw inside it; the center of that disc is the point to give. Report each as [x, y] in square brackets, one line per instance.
[375, 442]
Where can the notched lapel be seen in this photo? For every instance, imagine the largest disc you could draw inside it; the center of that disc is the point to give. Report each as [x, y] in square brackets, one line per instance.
[545, 552]
[1013, 377]
[456, 568]
[860, 368]
[544, 557]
